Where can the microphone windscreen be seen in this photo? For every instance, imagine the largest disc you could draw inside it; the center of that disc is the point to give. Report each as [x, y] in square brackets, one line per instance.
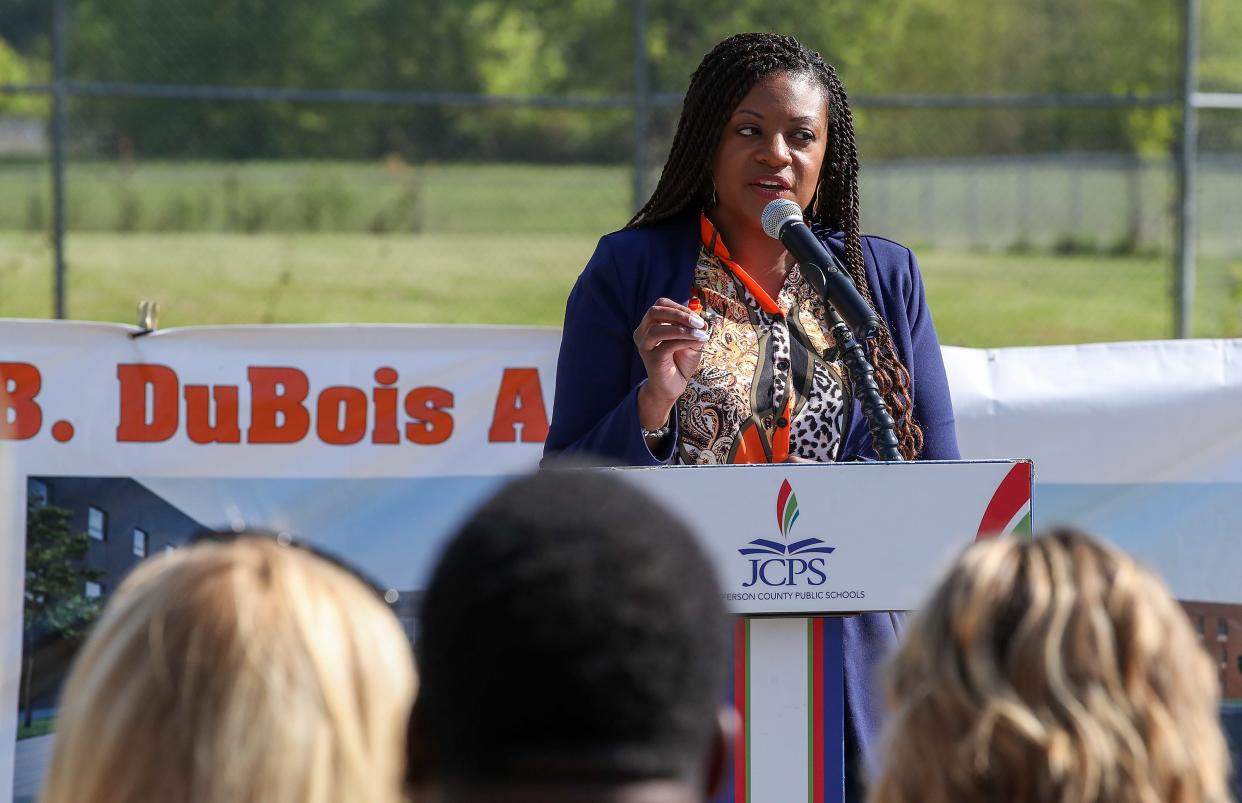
[777, 213]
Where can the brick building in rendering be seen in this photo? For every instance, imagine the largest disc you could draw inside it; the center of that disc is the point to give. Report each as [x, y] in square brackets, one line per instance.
[1219, 627]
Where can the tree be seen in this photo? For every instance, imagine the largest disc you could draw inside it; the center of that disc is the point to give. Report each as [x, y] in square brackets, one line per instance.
[1049, 47]
[56, 603]
[341, 45]
[585, 48]
[26, 25]
[15, 69]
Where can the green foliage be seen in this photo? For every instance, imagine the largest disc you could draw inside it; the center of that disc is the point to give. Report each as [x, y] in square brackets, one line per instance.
[585, 48]
[129, 208]
[55, 576]
[15, 69]
[404, 215]
[257, 211]
[36, 211]
[322, 203]
[56, 606]
[389, 196]
[179, 213]
[25, 25]
[1020, 247]
[1233, 315]
[1051, 47]
[1220, 64]
[39, 727]
[348, 44]
[1220, 70]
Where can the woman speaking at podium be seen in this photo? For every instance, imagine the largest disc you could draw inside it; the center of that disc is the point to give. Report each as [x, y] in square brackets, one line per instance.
[691, 336]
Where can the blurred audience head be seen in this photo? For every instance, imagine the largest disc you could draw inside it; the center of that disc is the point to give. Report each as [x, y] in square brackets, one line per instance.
[572, 643]
[1053, 669]
[235, 671]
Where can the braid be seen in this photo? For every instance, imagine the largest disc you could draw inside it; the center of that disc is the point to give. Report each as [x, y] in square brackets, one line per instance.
[722, 79]
[838, 210]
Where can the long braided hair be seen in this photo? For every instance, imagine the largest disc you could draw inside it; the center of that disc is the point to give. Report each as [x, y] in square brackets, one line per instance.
[722, 79]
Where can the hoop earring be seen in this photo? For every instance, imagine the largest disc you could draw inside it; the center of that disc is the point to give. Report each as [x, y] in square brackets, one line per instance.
[815, 210]
[715, 199]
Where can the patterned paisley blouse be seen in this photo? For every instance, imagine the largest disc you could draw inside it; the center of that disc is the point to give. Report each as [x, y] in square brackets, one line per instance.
[771, 383]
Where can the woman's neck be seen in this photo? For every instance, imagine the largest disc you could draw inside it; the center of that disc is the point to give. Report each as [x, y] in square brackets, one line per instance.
[761, 256]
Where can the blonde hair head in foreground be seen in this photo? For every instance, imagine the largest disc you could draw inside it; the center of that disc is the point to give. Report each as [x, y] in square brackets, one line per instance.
[1055, 670]
[244, 671]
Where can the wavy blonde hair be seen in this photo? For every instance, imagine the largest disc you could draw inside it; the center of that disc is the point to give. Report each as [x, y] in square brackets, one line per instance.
[240, 672]
[1055, 670]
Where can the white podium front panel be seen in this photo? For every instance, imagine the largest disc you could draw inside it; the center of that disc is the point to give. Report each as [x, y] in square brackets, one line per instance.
[839, 538]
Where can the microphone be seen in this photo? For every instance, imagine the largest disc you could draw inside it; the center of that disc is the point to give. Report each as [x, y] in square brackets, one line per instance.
[782, 220]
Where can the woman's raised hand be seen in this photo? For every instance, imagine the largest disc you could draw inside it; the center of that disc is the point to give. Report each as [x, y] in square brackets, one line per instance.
[670, 341]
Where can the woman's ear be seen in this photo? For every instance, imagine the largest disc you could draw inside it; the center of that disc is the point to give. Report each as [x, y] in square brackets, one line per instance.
[724, 742]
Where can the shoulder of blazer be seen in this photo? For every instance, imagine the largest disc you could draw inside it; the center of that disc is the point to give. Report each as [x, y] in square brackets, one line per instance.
[647, 241]
[886, 254]
[654, 260]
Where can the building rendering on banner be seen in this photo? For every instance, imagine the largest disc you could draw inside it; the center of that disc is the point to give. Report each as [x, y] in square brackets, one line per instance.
[1219, 626]
[123, 522]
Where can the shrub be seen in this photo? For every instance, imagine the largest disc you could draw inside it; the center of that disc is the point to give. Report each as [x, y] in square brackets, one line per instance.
[129, 208]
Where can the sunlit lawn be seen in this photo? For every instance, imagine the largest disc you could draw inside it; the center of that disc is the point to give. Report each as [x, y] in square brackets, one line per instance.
[978, 299]
[39, 727]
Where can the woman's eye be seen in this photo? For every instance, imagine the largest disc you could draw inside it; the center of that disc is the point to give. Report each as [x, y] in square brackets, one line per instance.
[748, 130]
[804, 135]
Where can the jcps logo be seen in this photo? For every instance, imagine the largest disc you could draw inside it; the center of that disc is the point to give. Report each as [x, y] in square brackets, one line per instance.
[780, 563]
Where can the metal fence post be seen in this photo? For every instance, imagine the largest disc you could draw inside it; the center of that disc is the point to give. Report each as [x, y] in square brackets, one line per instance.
[59, 24]
[642, 104]
[1187, 166]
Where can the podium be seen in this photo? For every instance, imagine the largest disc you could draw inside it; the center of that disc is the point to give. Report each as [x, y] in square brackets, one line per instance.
[797, 547]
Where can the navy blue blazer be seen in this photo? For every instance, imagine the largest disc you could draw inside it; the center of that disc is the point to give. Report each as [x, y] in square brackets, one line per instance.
[595, 412]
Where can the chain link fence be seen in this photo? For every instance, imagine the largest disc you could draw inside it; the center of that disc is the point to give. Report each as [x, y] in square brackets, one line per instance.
[1044, 132]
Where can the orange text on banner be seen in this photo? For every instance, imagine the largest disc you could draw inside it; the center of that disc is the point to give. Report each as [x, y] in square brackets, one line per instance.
[519, 403]
[281, 408]
[20, 414]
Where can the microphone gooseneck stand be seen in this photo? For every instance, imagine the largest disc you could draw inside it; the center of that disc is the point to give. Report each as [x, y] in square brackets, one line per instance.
[782, 220]
[862, 378]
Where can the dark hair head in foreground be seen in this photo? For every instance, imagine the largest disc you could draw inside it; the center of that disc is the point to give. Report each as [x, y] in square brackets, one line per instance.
[573, 634]
[1052, 670]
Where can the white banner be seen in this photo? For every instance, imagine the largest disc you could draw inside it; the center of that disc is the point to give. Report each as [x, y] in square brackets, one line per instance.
[373, 441]
[1138, 442]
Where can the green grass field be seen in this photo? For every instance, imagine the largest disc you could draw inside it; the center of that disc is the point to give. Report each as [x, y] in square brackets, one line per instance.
[516, 278]
[286, 242]
[361, 197]
[1097, 203]
[40, 727]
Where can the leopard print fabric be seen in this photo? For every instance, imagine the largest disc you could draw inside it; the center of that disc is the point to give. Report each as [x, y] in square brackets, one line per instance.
[816, 432]
[761, 371]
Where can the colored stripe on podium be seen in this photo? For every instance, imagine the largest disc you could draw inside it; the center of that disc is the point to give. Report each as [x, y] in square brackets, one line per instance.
[815, 722]
[831, 705]
[1010, 504]
[741, 678]
[786, 687]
